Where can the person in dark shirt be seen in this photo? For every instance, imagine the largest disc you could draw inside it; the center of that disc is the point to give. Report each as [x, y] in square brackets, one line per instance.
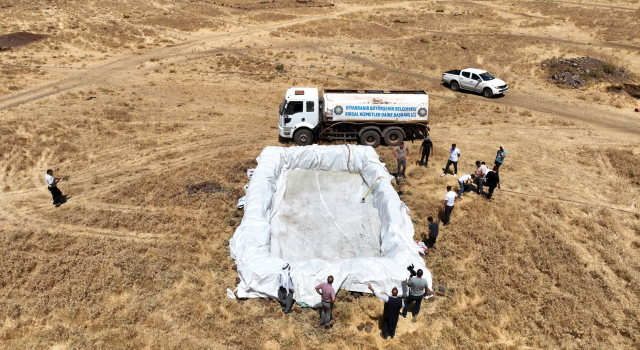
[493, 181]
[433, 234]
[391, 312]
[426, 149]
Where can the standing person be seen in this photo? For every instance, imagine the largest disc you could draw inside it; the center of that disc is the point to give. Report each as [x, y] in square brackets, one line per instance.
[454, 154]
[464, 181]
[493, 181]
[417, 291]
[433, 234]
[52, 186]
[481, 170]
[449, 200]
[425, 149]
[328, 298]
[500, 155]
[391, 311]
[401, 152]
[285, 292]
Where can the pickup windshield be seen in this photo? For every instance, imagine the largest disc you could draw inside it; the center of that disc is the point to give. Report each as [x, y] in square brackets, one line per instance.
[486, 76]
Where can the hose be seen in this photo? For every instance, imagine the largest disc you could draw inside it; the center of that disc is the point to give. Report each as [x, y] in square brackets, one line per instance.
[365, 196]
[349, 160]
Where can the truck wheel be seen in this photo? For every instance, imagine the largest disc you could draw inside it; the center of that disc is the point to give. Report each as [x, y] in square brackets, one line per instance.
[487, 93]
[454, 86]
[370, 138]
[393, 137]
[303, 137]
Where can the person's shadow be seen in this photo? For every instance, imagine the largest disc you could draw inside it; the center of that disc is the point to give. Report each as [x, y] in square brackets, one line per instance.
[64, 198]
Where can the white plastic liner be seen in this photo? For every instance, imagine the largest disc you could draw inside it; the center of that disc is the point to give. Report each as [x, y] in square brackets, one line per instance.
[320, 215]
[259, 266]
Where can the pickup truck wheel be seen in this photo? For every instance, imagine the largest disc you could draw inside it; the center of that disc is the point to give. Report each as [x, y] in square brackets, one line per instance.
[303, 137]
[370, 138]
[487, 93]
[393, 137]
[454, 86]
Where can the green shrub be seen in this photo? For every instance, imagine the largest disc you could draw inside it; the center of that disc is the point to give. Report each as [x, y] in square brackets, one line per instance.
[609, 68]
[280, 67]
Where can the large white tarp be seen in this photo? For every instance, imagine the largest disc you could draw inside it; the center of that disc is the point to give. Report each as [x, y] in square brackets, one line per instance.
[304, 206]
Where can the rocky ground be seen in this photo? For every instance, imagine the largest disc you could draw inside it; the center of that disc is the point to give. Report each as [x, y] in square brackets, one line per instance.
[577, 72]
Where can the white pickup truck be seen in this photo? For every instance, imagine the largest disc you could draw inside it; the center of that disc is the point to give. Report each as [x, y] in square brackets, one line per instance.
[476, 80]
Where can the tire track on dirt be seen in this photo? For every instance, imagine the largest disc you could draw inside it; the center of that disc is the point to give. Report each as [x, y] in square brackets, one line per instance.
[594, 115]
[615, 7]
[105, 71]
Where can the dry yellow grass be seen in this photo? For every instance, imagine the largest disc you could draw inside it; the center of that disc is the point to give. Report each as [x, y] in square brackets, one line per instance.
[132, 102]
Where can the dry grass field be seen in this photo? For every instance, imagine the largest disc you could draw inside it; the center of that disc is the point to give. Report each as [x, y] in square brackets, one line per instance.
[131, 101]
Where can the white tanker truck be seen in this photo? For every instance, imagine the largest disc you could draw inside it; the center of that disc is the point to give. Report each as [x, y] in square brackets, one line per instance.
[367, 116]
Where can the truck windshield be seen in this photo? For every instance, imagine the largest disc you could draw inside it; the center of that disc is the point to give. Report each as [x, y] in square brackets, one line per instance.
[282, 104]
[486, 76]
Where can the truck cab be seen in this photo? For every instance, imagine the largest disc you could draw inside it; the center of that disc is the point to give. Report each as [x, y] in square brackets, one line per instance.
[299, 113]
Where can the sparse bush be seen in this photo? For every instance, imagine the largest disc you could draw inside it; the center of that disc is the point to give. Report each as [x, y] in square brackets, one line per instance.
[280, 67]
[594, 73]
[609, 68]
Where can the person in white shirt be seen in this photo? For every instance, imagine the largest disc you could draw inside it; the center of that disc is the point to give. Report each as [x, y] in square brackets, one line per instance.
[480, 173]
[286, 290]
[454, 154]
[449, 200]
[52, 186]
[464, 182]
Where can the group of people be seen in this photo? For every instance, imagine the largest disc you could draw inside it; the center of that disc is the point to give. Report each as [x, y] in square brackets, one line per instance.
[325, 289]
[418, 290]
[395, 305]
[402, 152]
[483, 176]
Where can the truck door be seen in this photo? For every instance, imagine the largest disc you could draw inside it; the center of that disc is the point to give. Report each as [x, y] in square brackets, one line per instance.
[475, 82]
[311, 112]
[294, 113]
[465, 80]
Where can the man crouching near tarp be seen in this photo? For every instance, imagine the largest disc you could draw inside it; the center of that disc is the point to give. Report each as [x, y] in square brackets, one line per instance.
[391, 311]
[285, 293]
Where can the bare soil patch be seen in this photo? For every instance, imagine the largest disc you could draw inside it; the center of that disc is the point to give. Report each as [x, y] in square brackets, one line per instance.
[179, 21]
[342, 28]
[272, 4]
